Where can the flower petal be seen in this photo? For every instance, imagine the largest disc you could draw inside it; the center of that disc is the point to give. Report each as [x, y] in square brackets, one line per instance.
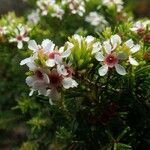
[50, 63]
[77, 37]
[58, 59]
[135, 48]
[61, 70]
[115, 40]
[89, 39]
[12, 40]
[96, 47]
[103, 70]
[20, 45]
[133, 61]
[25, 61]
[48, 45]
[30, 80]
[107, 47]
[66, 53]
[32, 66]
[120, 69]
[26, 39]
[32, 45]
[31, 92]
[46, 78]
[129, 43]
[99, 56]
[69, 83]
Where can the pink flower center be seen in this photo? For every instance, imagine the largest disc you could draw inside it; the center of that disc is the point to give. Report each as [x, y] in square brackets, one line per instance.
[140, 31]
[55, 79]
[111, 60]
[70, 71]
[39, 74]
[147, 38]
[52, 55]
[19, 38]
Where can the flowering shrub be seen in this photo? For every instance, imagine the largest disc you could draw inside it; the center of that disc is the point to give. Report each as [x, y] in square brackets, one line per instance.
[89, 90]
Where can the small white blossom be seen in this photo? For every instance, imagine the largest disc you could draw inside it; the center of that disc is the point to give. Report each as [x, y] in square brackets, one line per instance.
[38, 82]
[44, 5]
[96, 20]
[58, 12]
[56, 56]
[76, 6]
[110, 3]
[34, 17]
[133, 49]
[140, 26]
[112, 52]
[20, 36]
[110, 58]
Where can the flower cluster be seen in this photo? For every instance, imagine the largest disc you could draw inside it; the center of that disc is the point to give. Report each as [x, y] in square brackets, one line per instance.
[113, 52]
[76, 6]
[46, 5]
[117, 3]
[96, 20]
[48, 71]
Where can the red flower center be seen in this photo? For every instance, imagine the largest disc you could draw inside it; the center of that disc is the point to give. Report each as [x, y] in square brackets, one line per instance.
[55, 79]
[70, 71]
[52, 55]
[39, 74]
[19, 38]
[111, 60]
[140, 31]
[147, 38]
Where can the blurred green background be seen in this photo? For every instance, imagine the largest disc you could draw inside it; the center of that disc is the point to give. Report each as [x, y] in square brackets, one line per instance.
[141, 7]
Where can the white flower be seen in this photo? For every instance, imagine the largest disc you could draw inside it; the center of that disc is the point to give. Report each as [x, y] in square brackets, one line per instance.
[38, 82]
[76, 6]
[46, 46]
[44, 5]
[118, 3]
[58, 12]
[110, 58]
[34, 17]
[140, 26]
[3, 30]
[56, 56]
[58, 79]
[133, 49]
[96, 20]
[21, 36]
